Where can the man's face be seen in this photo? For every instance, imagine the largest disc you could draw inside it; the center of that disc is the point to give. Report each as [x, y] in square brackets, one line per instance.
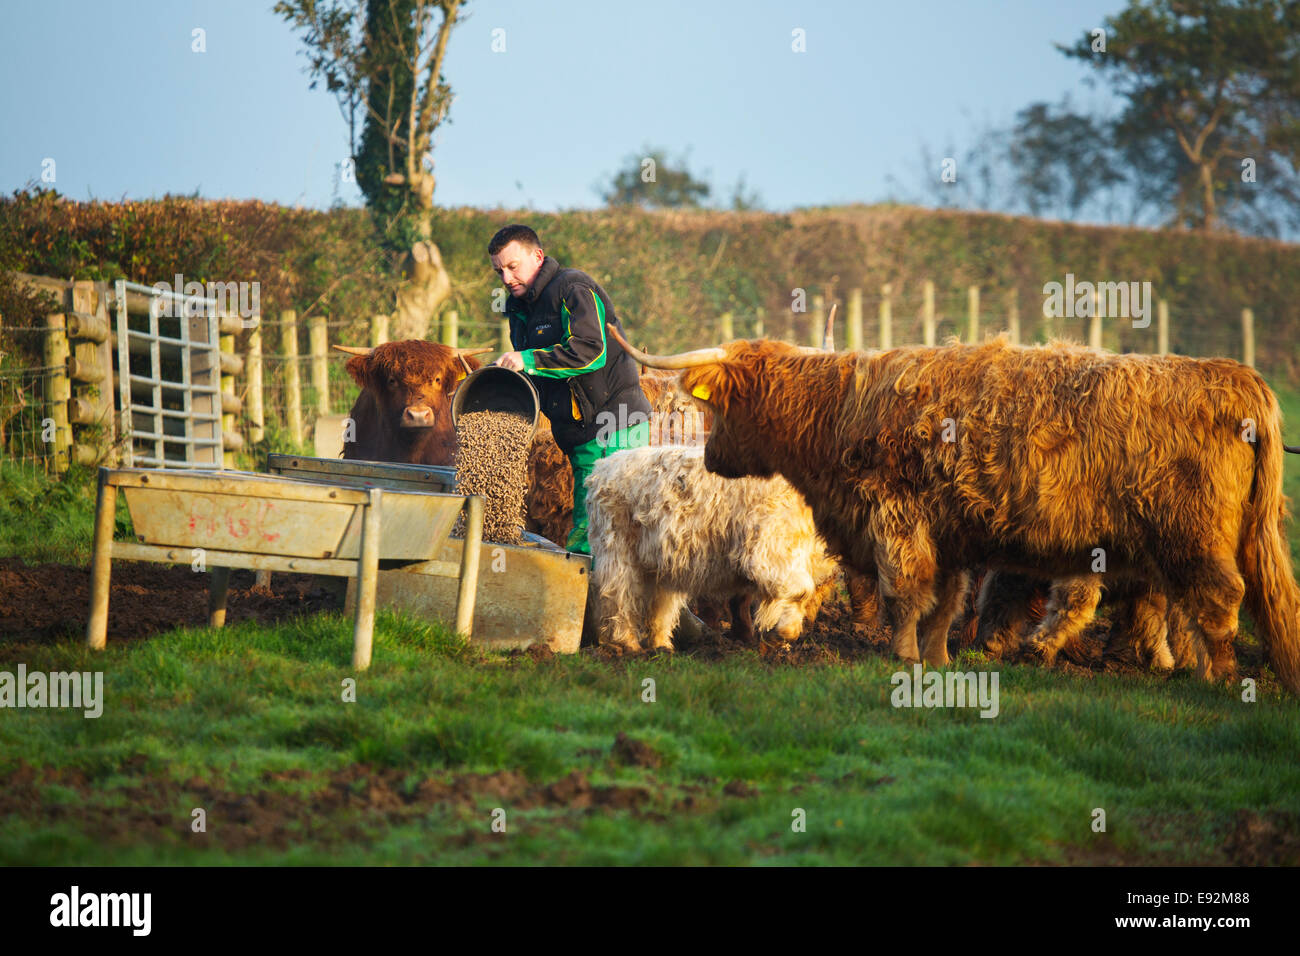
[518, 265]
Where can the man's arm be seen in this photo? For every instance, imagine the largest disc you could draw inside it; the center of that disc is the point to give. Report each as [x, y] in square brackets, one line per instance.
[585, 349]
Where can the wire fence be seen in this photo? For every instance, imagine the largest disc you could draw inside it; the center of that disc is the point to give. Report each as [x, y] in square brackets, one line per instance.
[898, 320]
[291, 377]
[26, 417]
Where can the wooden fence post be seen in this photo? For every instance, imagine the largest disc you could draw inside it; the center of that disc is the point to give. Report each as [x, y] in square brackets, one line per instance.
[1248, 337]
[818, 323]
[57, 392]
[726, 327]
[1013, 317]
[450, 327]
[256, 408]
[927, 312]
[90, 369]
[973, 315]
[318, 342]
[109, 390]
[378, 330]
[1162, 327]
[230, 439]
[886, 317]
[855, 320]
[292, 386]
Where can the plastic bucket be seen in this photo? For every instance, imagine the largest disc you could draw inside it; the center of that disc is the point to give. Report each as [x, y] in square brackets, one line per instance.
[496, 389]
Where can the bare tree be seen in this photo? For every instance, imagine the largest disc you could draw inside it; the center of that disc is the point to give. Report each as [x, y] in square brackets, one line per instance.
[1213, 91]
[361, 65]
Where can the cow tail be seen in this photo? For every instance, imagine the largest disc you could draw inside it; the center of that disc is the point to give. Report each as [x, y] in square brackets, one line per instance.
[1271, 592]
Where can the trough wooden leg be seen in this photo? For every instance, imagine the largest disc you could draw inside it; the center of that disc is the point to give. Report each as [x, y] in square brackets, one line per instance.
[263, 580]
[217, 590]
[467, 593]
[101, 563]
[368, 572]
[590, 616]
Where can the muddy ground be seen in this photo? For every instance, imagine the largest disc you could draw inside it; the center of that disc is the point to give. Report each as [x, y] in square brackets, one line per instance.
[379, 796]
[345, 806]
[50, 602]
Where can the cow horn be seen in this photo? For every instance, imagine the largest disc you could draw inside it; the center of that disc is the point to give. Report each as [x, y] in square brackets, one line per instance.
[828, 334]
[478, 351]
[684, 360]
[1293, 449]
[353, 350]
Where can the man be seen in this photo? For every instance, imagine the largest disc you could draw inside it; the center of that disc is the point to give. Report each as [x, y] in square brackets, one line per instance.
[589, 386]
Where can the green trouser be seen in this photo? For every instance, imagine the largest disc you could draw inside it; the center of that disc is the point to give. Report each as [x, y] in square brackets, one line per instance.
[583, 459]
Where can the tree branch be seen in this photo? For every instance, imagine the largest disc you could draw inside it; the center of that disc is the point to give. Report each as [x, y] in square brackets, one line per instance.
[433, 87]
[1213, 121]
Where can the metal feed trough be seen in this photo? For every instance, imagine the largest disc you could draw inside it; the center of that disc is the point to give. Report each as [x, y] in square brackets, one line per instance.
[367, 474]
[535, 592]
[273, 523]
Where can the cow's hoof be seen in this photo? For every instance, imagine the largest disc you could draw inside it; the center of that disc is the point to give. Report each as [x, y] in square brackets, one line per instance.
[908, 654]
[1224, 675]
[1039, 652]
[1163, 660]
[1004, 645]
[1223, 664]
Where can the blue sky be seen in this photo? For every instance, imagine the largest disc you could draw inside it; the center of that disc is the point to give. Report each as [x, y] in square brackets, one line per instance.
[112, 92]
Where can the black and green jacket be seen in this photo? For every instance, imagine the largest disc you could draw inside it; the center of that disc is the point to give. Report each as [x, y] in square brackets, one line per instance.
[587, 383]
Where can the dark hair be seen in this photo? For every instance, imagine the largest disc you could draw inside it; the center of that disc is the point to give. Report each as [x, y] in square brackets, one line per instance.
[513, 233]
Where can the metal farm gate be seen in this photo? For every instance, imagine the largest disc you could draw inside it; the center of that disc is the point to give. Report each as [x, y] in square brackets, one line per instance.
[169, 378]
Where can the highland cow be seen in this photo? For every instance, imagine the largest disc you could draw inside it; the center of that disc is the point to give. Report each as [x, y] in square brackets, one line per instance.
[1144, 625]
[664, 530]
[674, 418]
[921, 462]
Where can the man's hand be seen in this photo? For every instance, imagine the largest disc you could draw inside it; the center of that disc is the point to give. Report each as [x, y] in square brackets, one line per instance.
[511, 360]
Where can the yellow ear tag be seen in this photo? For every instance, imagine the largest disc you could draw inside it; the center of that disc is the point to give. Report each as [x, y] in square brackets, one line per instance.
[459, 375]
[701, 391]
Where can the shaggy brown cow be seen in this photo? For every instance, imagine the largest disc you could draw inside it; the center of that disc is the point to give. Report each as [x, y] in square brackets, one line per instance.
[404, 410]
[549, 499]
[921, 462]
[403, 414]
[1143, 623]
[674, 418]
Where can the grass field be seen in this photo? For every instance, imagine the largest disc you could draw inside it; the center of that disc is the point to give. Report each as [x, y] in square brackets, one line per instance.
[249, 724]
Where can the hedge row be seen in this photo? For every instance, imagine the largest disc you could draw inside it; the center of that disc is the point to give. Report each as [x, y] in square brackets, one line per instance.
[670, 273]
